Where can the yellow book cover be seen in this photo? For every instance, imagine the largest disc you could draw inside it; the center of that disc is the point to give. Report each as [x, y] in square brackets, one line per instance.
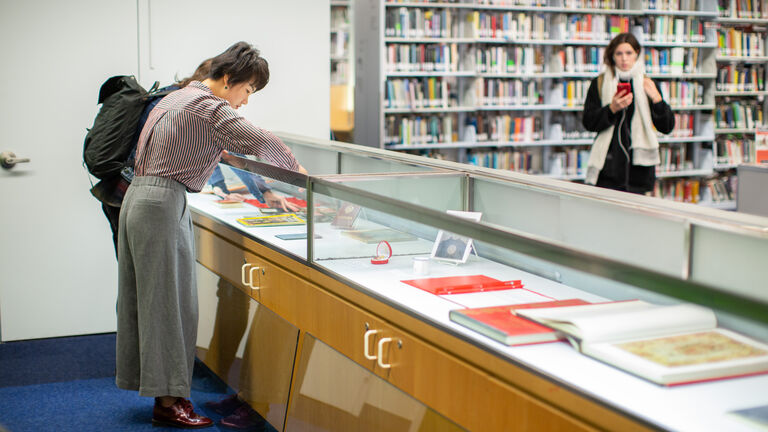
[271, 220]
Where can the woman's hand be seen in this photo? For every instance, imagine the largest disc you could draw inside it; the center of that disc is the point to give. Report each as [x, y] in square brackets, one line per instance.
[277, 201]
[236, 197]
[651, 91]
[620, 102]
[232, 196]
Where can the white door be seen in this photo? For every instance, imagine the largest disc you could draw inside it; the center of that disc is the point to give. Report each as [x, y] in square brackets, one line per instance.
[58, 273]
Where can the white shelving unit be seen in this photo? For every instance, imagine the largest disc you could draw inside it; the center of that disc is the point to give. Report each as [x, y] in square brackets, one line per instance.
[454, 129]
[734, 142]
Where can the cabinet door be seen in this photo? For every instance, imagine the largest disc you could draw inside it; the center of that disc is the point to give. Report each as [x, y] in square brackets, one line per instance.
[249, 348]
[239, 267]
[342, 325]
[332, 392]
[471, 396]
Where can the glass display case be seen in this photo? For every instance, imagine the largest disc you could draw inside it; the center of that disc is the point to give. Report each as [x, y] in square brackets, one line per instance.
[412, 242]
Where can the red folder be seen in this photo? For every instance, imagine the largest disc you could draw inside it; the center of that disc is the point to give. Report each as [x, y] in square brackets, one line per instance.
[256, 203]
[462, 284]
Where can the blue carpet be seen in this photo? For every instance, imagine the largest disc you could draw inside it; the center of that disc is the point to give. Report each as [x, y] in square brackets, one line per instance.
[84, 405]
[58, 359]
[68, 385]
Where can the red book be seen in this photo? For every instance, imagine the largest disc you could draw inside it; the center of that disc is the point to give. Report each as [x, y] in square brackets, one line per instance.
[501, 324]
[462, 284]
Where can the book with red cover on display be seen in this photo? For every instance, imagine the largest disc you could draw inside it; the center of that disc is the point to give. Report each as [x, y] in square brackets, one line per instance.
[666, 344]
[502, 324]
[462, 284]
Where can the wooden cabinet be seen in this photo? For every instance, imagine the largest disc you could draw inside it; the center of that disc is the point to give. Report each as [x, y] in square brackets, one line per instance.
[379, 343]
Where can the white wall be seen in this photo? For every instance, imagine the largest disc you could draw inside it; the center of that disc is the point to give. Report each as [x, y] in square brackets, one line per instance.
[57, 263]
[293, 35]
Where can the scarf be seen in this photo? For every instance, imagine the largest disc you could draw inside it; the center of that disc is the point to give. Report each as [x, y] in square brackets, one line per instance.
[644, 143]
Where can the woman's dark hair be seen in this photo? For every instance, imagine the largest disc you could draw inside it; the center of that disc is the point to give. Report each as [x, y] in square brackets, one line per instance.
[200, 74]
[615, 42]
[242, 63]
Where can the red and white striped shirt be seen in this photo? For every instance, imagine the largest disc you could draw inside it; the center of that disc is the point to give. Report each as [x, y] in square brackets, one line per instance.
[186, 132]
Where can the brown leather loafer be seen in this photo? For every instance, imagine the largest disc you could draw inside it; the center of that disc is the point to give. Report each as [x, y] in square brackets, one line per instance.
[181, 415]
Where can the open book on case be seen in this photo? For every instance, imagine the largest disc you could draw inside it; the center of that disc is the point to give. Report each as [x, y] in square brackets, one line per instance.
[665, 344]
[502, 324]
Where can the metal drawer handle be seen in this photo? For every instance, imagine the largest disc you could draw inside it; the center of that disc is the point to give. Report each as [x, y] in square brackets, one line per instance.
[381, 352]
[366, 344]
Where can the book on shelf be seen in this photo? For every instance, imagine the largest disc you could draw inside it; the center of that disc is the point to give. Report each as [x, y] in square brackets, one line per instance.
[740, 43]
[734, 151]
[668, 345]
[761, 144]
[680, 190]
[502, 324]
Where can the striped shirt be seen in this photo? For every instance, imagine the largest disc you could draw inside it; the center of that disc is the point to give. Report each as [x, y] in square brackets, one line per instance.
[186, 133]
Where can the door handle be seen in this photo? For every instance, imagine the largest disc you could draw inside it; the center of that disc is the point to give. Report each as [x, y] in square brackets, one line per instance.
[9, 160]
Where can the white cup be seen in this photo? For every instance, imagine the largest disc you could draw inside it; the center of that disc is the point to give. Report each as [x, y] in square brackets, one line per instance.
[421, 265]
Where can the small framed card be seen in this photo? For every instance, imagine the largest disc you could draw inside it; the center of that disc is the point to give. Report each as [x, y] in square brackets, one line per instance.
[346, 216]
[452, 247]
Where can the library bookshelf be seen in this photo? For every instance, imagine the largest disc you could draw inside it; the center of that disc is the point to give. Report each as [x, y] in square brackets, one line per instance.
[740, 91]
[502, 83]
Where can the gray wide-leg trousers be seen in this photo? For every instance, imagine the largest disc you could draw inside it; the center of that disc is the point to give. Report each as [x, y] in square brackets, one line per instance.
[157, 294]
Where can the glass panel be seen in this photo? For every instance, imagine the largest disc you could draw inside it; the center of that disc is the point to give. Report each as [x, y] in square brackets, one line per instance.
[347, 230]
[250, 348]
[365, 164]
[318, 161]
[436, 191]
[267, 206]
[588, 224]
[333, 392]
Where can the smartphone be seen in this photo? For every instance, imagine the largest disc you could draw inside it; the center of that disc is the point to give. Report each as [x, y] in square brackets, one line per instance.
[623, 88]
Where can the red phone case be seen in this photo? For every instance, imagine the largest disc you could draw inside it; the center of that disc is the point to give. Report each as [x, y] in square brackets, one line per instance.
[623, 88]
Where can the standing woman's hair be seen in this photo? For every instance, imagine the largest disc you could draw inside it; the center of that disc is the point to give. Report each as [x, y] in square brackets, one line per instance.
[615, 42]
[241, 63]
[200, 74]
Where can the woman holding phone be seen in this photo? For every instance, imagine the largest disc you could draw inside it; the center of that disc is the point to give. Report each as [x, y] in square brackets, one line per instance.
[626, 109]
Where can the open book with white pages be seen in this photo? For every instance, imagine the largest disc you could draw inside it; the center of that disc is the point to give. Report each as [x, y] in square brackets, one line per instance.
[668, 345]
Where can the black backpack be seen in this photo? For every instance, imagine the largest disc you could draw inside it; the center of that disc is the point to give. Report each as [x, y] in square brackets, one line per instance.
[110, 140]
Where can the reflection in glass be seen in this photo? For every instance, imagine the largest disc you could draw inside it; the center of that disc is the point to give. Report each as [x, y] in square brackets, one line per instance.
[335, 393]
[252, 350]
